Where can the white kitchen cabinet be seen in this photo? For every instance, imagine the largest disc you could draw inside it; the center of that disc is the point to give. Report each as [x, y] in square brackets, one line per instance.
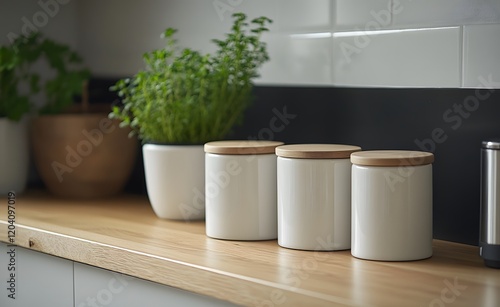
[47, 281]
[40, 280]
[98, 287]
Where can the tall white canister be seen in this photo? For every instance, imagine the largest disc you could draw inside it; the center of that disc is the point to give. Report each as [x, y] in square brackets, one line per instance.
[314, 196]
[240, 190]
[392, 205]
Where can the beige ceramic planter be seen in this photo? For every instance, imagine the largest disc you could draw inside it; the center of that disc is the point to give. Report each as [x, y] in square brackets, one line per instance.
[82, 155]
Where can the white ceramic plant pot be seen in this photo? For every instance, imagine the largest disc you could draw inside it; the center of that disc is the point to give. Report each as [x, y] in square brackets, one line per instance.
[175, 180]
[14, 156]
[392, 205]
[241, 190]
[314, 196]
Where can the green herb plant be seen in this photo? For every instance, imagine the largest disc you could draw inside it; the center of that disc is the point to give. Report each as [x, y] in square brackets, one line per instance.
[189, 98]
[16, 73]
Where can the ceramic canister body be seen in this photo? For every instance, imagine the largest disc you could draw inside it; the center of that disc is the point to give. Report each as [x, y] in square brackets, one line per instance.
[240, 191]
[314, 198]
[392, 212]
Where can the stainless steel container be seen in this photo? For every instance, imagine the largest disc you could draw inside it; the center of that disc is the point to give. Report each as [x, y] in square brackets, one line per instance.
[489, 241]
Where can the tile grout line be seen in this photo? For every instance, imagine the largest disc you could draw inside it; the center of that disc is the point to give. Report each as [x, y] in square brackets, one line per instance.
[461, 57]
[331, 46]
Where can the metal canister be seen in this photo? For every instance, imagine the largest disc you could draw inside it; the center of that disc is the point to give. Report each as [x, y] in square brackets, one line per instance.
[489, 241]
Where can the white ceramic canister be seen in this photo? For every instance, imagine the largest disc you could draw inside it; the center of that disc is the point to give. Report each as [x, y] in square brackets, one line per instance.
[314, 196]
[240, 190]
[392, 205]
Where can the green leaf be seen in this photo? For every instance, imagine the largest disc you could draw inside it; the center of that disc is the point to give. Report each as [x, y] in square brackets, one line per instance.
[16, 71]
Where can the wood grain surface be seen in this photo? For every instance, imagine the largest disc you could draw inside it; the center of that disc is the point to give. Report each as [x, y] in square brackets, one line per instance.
[123, 234]
[392, 158]
[242, 147]
[316, 151]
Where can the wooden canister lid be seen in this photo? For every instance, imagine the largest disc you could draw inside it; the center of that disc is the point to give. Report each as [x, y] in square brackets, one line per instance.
[241, 147]
[316, 151]
[392, 158]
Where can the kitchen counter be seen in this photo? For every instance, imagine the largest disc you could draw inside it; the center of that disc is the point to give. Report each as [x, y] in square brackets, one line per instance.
[122, 234]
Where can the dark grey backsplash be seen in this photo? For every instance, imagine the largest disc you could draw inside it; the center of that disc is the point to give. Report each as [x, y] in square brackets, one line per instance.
[449, 122]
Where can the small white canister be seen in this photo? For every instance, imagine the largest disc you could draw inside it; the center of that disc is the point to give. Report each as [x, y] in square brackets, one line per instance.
[314, 196]
[392, 205]
[240, 190]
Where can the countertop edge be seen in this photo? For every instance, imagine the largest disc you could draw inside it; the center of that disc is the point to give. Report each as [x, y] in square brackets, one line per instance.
[238, 289]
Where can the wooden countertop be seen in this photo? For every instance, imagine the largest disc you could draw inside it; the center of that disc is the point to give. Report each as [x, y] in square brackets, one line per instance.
[124, 235]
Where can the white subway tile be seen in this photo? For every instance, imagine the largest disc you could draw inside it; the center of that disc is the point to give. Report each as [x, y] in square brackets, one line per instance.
[223, 10]
[399, 58]
[481, 59]
[297, 60]
[432, 13]
[304, 16]
[112, 44]
[288, 16]
[361, 14]
[199, 22]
